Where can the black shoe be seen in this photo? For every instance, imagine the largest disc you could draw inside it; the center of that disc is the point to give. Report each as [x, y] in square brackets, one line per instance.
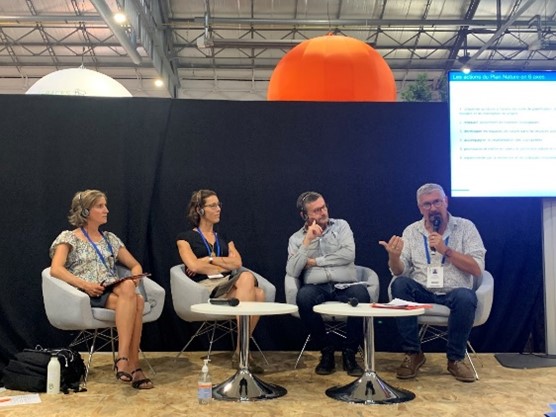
[350, 364]
[326, 364]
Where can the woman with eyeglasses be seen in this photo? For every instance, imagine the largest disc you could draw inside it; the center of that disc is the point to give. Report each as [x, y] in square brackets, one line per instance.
[213, 261]
[85, 257]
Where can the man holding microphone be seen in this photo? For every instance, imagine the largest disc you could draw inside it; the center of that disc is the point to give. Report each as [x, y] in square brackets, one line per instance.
[437, 260]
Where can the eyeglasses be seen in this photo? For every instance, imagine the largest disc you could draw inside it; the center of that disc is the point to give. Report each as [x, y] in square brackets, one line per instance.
[213, 205]
[437, 203]
[319, 209]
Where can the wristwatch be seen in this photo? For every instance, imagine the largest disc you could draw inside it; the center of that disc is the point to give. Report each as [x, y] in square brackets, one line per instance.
[211, 259]
[448, 252]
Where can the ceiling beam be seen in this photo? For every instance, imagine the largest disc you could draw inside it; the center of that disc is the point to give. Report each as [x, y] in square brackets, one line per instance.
[500, 32]
[58, 18]
[347, 22]
[148, 22]
[117, 30]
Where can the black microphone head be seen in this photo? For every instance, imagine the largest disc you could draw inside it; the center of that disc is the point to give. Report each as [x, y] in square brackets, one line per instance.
[353, 302]
[436, 222]
[224, 301]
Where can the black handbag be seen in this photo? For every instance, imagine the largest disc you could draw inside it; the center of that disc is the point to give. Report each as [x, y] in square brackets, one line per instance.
[27, 371]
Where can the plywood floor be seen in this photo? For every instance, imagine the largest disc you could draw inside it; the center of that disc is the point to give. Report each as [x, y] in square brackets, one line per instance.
[500, 391]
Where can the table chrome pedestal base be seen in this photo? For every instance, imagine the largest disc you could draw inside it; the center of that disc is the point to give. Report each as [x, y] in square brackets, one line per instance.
[244, 386]
[370, 389]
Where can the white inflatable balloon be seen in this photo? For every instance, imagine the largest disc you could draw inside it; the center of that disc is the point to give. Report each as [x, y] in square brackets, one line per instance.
[79, 82]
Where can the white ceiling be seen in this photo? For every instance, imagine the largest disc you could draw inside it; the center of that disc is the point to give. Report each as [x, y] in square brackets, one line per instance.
[227, 49]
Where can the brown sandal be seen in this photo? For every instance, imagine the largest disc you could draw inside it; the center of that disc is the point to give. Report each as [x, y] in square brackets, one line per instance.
[144, 383]
[122, 375]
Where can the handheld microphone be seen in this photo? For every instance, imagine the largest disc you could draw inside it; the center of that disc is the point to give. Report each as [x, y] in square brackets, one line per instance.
[436, 222]
[351, 301]
[224, 301]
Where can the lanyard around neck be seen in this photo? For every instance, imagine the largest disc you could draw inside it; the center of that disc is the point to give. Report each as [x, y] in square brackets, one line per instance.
[216, 243]
[428, 254]
[99, 253]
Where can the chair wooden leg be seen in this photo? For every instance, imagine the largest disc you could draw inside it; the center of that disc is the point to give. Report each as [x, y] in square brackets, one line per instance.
[90, 359]
[302, 350]
[112, 340]
[441, 334]
[259, 349]
[472, 365]
[148, 362]
[201, 330]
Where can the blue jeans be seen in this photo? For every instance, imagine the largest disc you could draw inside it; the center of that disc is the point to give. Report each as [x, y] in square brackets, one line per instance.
[310, 295]
[462, 303]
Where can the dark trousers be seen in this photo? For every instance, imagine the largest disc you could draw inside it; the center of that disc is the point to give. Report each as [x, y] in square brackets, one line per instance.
[462, 303]
[310, 295]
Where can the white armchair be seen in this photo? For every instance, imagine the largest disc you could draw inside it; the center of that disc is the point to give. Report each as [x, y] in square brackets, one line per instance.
[67, 308]
[435, 320]
[186, 292]
[335, 325]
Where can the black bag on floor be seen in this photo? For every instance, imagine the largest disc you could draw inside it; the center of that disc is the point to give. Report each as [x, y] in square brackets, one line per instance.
[27, 372]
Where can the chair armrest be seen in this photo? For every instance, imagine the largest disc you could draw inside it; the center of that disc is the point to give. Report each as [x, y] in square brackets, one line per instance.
[66, 306]
[485, 296]
[291, 287]
[155, 297]
[185, 291]
[368, 276]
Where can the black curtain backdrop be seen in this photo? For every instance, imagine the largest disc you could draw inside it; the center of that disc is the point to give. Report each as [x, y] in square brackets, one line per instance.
[149, 155]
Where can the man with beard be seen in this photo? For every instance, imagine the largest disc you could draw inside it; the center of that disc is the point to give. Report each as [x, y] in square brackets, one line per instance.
[436, 260]
[321, 256]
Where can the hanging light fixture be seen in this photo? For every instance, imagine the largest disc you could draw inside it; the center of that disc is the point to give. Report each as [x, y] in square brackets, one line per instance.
[332, 68]
[463, 60]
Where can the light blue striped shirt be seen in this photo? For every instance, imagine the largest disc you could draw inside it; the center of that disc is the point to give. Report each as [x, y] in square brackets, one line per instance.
[334, 254]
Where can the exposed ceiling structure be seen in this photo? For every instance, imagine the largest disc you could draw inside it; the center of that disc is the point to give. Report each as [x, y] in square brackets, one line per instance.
[227, 49]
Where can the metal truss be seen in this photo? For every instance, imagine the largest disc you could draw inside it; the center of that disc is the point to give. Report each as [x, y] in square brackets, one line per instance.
[156, 42]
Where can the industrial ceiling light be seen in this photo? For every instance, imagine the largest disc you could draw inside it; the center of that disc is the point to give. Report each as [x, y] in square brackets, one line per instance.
[463, 60]
[120, 18]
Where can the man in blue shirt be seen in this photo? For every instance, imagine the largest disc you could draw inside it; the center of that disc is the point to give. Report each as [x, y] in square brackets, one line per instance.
[321, 257]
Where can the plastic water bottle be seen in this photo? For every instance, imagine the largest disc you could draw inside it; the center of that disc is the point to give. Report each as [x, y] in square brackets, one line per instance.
[204, 388]
[53, 375]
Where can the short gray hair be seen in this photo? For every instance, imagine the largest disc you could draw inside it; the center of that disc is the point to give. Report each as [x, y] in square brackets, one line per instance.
[429, 188]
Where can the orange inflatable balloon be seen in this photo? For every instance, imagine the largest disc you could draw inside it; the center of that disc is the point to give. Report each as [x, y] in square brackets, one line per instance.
[332, 68]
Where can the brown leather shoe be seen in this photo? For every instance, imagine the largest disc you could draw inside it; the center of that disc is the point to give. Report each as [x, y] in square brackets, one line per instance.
[461, 371]
[410, 364]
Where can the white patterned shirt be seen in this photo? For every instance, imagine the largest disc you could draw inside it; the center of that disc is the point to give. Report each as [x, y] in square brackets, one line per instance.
[83, 260]
[461, 235]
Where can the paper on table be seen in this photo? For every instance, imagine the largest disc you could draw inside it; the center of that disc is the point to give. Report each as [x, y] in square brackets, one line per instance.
[344, 285]
[19, 400]
[215, 276]
[401, 304]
